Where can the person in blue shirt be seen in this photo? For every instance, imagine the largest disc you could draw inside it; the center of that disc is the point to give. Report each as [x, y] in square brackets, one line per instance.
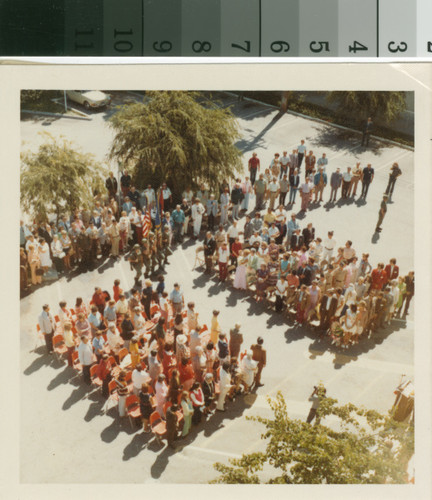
[178, 218]
[320, 182]
[98, 345]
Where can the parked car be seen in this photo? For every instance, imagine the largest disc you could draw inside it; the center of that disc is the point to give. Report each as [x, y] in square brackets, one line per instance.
[89, 98]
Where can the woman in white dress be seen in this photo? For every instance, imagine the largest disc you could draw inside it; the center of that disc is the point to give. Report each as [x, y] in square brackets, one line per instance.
[161, 393]
[44, 255]
[248, 369]
[57, 253]
[349, 325]
[240, 274]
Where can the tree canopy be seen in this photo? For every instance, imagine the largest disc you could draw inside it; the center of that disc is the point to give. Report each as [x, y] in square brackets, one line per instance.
[58, 178]
[176, 137]
[366, 448]
[385, 106]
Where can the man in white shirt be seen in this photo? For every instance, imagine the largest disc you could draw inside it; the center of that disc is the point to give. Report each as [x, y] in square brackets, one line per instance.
[346, 183]
[323, 162]
[280, 215]
[281, 288]
[188, 195]
[197, 213]
[301, 151]
[47, 326]
[150, 196]
[167, 197]
[224, 205]
[306, 194]
[232, 233]
[85, 355]
[255, 240]
[223, 262]
[273, 189]
[284, 162]
[114, 339]
[329, 246]
[139, 377]
[348, 251]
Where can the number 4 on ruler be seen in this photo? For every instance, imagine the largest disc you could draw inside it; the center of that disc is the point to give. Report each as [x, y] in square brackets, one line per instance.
[357, 46]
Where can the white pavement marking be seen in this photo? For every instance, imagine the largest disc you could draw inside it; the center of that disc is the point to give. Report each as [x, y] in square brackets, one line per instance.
[370, 364]
[207, 450]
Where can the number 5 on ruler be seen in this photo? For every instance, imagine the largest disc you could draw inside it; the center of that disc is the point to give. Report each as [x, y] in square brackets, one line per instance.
[322, 46]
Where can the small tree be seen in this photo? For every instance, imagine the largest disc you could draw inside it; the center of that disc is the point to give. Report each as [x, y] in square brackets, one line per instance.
[172, 137]
[358, 106]
[58, 178]
[367, 448]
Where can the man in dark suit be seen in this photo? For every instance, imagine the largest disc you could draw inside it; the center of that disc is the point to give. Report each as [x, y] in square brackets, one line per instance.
[125, 182]
[209, 250]
[297, 240]
[294, 181]
[259, 354]
[327, 309]
[366, 178]
[308, 234]
[111, 185]
[134, 196]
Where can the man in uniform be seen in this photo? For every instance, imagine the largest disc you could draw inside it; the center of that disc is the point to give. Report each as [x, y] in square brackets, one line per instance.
[381, 213]
[153, 250]
[259, 354]
[136, 261]
[146, 256]
[165, 246]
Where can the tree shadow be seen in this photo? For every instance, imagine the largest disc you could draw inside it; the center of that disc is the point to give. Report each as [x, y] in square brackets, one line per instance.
[250, 145]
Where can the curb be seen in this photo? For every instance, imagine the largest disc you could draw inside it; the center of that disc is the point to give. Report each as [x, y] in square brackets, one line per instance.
[301, 115]
[45, 113]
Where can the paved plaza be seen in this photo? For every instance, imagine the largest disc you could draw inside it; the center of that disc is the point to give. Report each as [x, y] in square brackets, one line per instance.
[64, 435]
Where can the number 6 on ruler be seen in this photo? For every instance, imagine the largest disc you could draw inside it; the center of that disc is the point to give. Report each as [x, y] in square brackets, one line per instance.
[322, 46]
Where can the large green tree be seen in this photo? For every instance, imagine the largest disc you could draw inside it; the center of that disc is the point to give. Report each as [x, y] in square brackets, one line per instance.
[360, 446]
[178, 137]
[58, 179]
[358, 106]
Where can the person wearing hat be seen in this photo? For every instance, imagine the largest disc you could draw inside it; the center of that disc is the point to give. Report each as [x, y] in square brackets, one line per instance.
[182, 350]
[136, 261]
[381, 213]
[235, 341]
[208, 389]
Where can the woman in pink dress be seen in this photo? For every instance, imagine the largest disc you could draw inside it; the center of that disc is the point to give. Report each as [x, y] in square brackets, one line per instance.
[314, 296]
[240, 274]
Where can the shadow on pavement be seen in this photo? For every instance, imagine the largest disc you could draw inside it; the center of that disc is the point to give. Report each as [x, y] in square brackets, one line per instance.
[136, 446]
[45, 360]
[245, 145]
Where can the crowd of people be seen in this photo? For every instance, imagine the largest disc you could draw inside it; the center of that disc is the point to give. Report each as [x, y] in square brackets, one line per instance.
[152, 346]
[150, 342]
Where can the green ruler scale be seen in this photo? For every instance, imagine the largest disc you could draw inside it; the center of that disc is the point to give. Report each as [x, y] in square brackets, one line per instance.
[217, 28]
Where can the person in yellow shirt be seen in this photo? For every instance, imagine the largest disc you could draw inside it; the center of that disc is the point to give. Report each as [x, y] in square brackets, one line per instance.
[215, 328]
[269, 217]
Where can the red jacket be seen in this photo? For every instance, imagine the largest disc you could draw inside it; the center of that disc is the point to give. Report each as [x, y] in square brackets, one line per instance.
[379, 279]
[394, 274]
[186, 372]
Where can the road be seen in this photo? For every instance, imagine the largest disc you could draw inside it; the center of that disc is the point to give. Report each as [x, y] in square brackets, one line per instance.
[67, 439]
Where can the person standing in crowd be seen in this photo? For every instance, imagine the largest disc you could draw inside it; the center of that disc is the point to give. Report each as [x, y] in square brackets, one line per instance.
[235, 341]
[346, 183]
[125, 182]
[209, 250]
[48, 327]
[224, 386]
[310, 161]
[260, 189]
[146, 407]
[197, 213]
[283, 189]
[306, 190]
[224, 206]
[246, 187]
[253, 167]
[294, 161]
[166, 196]
[320, 182]
[223, 256]
[186, 209]
[122, 392]
[323, 162]
[301, 151]
[177, 298]
[367, 130]
[178, 218]
[367, 178]
[114, 235]
[395, 172]
[381, 213]
[294, 182]
[187, 410]
[280, 292]
[104, 373]
[212, 210]
[236, 200]
[111, 185]
[273, 189]
[356, 176]
[85, 355]
[329, 246]
[284, 164]
[259, 354]
[409, 294]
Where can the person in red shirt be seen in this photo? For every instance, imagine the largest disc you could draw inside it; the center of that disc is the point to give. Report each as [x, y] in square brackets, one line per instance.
[117, 291]
[187, 375]
[169, 359]
[98, 300]
[253, 166]
[392, 270]
[379, 278]
[104, 373]
[235, 249]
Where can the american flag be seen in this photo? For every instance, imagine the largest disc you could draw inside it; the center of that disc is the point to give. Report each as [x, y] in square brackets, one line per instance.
[146, 223]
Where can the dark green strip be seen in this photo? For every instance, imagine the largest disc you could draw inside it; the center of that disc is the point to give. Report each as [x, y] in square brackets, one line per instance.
[162, 28]
[32, 28]
[83, 28]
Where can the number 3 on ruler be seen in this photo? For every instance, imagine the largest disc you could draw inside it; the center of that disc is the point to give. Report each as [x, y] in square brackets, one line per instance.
[322, 46]
[400, 48]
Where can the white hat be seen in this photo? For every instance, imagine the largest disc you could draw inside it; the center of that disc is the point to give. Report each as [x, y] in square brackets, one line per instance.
[237, 325]
[111, 324]
[198, 349]
[181, 339]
